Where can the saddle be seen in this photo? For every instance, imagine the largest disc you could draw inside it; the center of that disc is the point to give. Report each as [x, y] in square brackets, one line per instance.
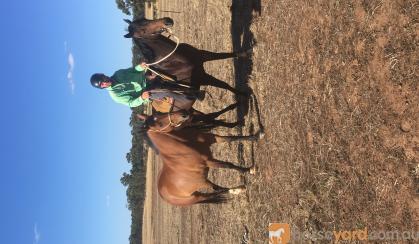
[163, 106]
[166, 101]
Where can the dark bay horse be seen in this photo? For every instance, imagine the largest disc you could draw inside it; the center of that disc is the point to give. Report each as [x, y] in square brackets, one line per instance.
[188, 118]
[186, 159]
[186, 63]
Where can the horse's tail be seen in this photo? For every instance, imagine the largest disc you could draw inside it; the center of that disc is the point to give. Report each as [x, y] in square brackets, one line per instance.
[216, 198]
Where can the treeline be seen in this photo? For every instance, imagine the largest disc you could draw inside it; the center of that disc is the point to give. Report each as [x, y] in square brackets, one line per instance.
[137, 156]
[136, 178]
[132, 7]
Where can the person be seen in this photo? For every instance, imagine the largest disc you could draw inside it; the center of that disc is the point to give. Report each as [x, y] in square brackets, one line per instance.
[132, 87]
[125, 86]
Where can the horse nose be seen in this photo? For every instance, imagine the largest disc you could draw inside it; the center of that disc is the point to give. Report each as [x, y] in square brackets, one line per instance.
[168, 22]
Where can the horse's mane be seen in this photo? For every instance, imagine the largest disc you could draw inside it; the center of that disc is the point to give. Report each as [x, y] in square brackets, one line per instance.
[150, 143]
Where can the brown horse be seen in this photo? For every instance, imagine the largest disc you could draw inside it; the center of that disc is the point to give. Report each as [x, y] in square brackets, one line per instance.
[186, 159]
[188, 118]
[186, 63]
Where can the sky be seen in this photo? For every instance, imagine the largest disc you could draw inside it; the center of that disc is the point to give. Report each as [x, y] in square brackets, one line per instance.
[63, 142]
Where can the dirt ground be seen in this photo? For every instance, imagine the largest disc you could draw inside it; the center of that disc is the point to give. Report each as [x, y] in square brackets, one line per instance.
[336, 91]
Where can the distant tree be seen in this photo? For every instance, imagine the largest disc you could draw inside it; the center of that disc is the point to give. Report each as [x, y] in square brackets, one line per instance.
[126, 179]
[137, 156]
[124, 6]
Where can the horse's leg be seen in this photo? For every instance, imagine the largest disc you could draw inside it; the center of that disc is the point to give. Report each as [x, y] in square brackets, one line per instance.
[209, 56]
[215, 187]
[218, 164]
[197, 115]
[224, 110]
[203, 121]
[220, 191]
[209, 80]
[227, 124]
[195, 112]
[200, 116]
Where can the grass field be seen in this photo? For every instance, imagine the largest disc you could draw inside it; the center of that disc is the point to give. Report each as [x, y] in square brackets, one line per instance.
[336, 88]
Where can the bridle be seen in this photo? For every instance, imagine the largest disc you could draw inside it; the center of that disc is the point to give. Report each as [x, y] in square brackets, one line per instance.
[170, 124]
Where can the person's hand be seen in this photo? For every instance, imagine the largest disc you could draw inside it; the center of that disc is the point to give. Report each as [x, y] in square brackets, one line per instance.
[145, 95]
[144, 65]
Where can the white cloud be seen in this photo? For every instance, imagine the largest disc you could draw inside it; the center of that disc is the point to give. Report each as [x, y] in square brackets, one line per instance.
[36, 233]
[71, 64]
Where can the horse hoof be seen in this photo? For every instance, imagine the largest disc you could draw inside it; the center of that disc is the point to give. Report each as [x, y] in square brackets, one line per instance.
[238, 190]
[252, 170]
[261, 135]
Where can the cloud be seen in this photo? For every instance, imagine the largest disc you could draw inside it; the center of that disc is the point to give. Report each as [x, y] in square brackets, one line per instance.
[36, 234]
[71, 64]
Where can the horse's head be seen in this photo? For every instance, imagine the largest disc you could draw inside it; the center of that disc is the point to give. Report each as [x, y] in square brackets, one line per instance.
[144, 28]
[165, 122]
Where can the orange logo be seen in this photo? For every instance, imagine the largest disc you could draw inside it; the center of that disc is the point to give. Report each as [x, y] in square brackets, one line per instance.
[279, 233]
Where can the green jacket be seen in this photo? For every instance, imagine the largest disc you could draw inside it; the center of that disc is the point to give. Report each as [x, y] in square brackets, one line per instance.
[128, 86]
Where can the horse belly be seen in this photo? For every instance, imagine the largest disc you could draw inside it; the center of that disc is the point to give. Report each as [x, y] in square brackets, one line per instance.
[180, 183]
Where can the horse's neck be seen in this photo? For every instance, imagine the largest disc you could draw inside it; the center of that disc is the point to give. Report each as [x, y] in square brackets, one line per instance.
[186, 141]
[165, 142]
[159, 44]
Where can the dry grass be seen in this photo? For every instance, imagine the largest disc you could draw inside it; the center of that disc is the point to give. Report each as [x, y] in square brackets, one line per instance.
[337, 87]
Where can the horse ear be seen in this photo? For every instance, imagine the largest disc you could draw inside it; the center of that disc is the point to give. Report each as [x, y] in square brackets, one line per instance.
[128, 21]
[129, 35]
[142, 117]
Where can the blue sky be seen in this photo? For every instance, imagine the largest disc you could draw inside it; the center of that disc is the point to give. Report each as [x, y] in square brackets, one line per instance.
[63, 142]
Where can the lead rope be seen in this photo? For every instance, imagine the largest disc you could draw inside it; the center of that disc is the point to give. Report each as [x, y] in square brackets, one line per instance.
[168, 30]
[168, 55]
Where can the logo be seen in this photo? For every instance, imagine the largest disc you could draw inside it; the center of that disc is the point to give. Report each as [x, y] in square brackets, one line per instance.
[279, 233]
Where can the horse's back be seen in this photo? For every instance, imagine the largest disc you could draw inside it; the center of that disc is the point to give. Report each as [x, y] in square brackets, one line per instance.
[188, 141]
